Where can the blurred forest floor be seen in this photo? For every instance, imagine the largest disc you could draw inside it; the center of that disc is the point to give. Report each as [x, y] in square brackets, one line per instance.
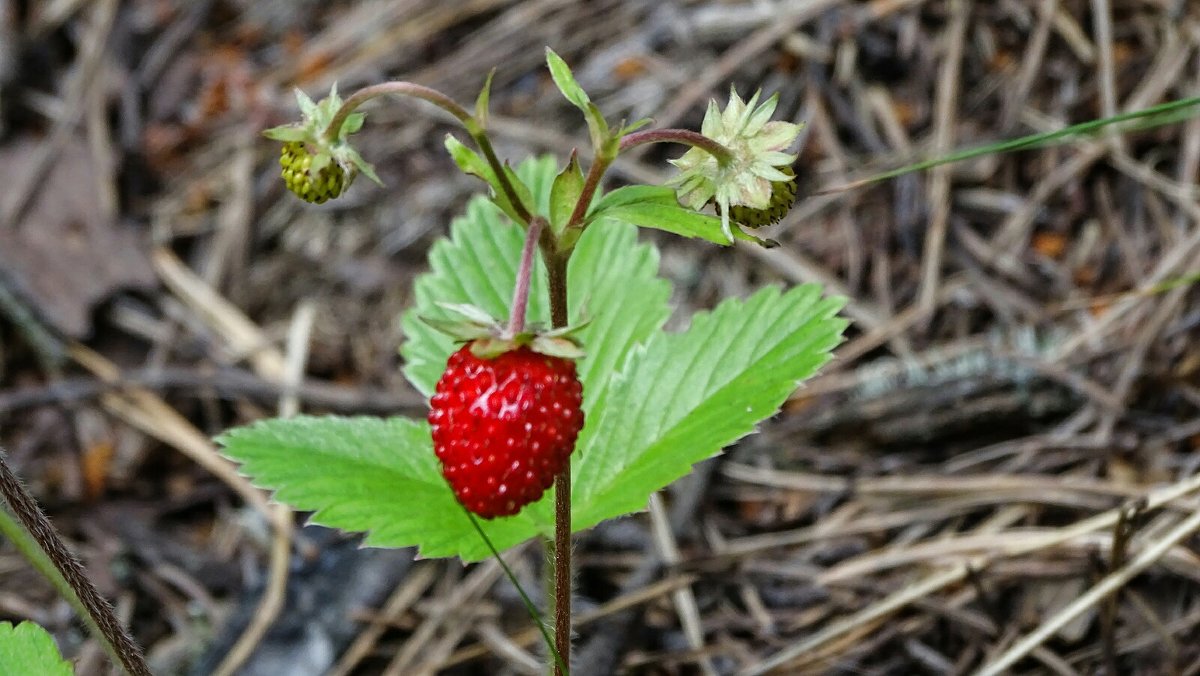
[1015, 414]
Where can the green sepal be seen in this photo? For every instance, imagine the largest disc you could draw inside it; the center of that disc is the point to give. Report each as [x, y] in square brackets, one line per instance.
[490, 348]
[287, 133]
[564, 194]
[626, 129]
[557, 347]
[461, 332]
[471, 313]
[475, 323]
[481, 102]
[353, 123]
[308, 107]
[360, 164]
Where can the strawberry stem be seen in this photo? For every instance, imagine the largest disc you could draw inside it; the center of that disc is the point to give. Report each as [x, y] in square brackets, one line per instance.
[474, 127]
[520, 301]
[590, 185]
[556, 268]
[684, 136]
[395, 87]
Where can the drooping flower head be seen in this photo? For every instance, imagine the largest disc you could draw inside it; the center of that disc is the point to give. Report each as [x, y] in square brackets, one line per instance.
[315, 165]
[758, 171]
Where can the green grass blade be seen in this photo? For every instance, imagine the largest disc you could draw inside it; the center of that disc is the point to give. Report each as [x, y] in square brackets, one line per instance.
[1149, 118]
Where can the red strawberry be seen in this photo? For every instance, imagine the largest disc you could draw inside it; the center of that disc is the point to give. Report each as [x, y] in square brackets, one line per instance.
[504, 427]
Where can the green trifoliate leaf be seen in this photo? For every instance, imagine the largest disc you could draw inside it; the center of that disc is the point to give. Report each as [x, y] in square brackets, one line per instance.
[679, 399]
[685, 396]
[366, 474]
[28, 650]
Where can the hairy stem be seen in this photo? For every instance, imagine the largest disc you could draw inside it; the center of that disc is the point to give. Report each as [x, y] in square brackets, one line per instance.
[520, 301]
[399, 88]
[479, 135]
[590, 185]
[556, 266]
[684, 136]
[65, 571]
[474, 127]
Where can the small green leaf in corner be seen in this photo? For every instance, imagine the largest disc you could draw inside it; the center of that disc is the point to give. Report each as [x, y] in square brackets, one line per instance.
[28, 650]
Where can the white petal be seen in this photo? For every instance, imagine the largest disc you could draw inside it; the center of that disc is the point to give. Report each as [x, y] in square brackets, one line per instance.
[769, 172]
[761, 116]
[776, 159]
[776, 135]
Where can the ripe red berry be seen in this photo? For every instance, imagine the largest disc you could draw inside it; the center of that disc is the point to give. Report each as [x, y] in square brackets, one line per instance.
[503, 428]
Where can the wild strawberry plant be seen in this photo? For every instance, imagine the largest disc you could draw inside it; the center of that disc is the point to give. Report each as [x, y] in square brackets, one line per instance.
[507, 411]
[654, 402]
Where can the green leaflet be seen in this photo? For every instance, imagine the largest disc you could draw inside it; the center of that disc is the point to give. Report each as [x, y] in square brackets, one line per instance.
[28, 650]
